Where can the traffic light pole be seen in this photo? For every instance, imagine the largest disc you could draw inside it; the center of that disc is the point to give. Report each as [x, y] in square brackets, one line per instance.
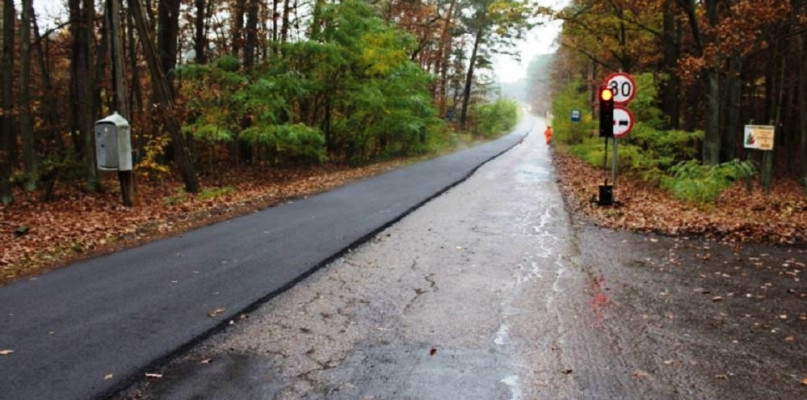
[606, 99]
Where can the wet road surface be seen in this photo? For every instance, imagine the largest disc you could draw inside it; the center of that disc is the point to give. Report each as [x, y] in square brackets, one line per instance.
[492, 291]
[87, 330]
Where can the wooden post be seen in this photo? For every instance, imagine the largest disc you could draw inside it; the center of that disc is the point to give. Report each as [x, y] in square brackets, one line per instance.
[126, 178]
[767, 168]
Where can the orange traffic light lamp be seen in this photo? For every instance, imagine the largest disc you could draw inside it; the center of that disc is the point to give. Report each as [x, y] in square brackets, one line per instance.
[606, 98]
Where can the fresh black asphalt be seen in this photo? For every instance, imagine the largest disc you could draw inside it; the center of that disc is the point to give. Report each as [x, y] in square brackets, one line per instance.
[88, 330]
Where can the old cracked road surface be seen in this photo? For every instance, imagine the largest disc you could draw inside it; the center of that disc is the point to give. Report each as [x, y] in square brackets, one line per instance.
[86, 331]
[491, 291]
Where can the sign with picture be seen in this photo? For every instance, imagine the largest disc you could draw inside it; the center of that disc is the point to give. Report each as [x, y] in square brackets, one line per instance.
[759, 137]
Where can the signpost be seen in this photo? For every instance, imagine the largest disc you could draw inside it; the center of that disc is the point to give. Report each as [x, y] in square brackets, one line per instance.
[615, 121]
[761, 137]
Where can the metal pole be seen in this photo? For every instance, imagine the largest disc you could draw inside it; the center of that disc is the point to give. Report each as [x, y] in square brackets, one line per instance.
[613, 165]
[605, 162]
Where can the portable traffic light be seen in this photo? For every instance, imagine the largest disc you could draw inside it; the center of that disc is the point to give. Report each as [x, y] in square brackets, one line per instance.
[606, 97]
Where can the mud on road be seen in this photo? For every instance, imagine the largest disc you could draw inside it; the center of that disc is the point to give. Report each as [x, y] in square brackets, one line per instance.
[493, 291]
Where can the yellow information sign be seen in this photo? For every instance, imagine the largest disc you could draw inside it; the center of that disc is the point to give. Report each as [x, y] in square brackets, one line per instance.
[759, 137]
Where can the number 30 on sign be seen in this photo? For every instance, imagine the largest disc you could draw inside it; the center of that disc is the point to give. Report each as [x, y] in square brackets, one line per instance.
[623, 86]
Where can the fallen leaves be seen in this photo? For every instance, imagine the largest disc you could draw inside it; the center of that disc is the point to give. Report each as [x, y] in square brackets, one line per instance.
[109, 377]
[151, 375]
[215, 313]
[6, 352]
[737, 215]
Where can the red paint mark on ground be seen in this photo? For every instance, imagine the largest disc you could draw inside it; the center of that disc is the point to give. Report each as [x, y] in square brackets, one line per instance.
[599, 299]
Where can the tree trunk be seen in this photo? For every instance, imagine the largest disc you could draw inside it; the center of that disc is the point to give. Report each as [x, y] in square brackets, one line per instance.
[50, 114]
[82, 107]
[253, 6]
[284, 30]
[162, 93]
[167, 38]
[200, 34]
[136, 99]
[6, 103]
[126, 178]
[316, 19]
[238, 26]
[469, 77]
[801, 43]
[711, 140]
[734, 84]
[26, 118]
[445, 56]
[670, 45]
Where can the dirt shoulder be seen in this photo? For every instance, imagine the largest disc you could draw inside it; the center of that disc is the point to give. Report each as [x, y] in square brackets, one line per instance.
[738, 216]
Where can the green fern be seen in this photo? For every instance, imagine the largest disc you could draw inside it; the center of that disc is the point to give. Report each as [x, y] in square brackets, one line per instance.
[698, 183]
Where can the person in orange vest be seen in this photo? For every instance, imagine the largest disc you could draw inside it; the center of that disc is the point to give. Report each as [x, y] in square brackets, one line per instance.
[548, 135]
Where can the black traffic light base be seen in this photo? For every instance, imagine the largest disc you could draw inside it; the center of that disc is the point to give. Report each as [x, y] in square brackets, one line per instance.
[606, 195]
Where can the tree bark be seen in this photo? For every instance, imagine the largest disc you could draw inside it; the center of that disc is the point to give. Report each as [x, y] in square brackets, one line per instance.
[734, 84]
[117, 54]
[82, 107]
[164, 99]
[26, 118]
[6, 103]
[253, 6]
[711, 141]
[801, 43]
[167, 38]
[284, 30]
[238, 26]
[136, 99]
[469, 77]
[200, 34]
[670, 45]
[445, 55]
[50, 114]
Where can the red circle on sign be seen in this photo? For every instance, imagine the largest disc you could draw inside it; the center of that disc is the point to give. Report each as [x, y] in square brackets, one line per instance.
[623, 121]
[624, 87]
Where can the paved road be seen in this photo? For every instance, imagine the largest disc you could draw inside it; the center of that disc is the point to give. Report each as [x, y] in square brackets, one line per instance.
[87, 330]
[493, 291]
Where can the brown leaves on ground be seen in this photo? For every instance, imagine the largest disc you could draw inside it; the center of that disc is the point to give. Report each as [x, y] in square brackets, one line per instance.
[780, 217]
[36, 235]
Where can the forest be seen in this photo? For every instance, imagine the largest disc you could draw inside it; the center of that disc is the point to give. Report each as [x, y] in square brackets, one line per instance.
[215, 85]
[704, 70]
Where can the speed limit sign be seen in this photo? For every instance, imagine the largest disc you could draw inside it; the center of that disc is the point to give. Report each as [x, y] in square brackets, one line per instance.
[623, 86]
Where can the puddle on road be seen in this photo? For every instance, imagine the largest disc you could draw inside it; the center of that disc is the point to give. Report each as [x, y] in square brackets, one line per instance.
[223, 376]
[410, 372]
[501, 335]
[533, 173]
[515, 390]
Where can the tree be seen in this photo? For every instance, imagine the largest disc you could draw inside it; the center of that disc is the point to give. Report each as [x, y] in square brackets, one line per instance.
[82, 15]
[164, 100]
[168, 37]
[6, 104]
[200, 32]
[26, 117]
[494, 25]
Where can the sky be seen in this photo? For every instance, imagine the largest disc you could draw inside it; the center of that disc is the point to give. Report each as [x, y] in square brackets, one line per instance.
[539, 40]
